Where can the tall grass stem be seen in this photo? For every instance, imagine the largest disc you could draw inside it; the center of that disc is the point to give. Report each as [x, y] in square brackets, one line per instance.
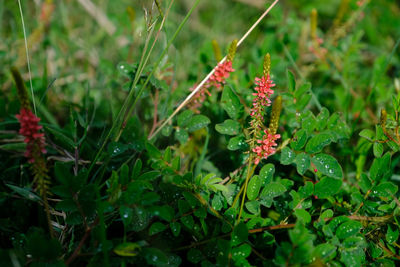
[27, 56]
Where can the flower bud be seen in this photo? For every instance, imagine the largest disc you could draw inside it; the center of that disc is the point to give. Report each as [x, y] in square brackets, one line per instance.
[275, 114]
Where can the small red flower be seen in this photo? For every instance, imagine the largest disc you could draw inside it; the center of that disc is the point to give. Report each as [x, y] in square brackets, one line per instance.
[222, 71]
[30, 130]
[263, 90]
[198, 98]
[261, 99]
[266, 147]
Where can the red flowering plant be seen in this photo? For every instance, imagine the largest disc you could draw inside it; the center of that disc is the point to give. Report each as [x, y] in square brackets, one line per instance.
[262, 143]
[217, 79]
[262, 140]
[30, 129]
[35, 143]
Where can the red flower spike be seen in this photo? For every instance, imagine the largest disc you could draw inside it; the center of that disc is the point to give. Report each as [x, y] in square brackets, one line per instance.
[266, 147]
[221, 73]
[30, 130]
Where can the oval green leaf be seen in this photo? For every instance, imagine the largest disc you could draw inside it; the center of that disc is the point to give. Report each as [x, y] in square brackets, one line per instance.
[253, 187]
[327, 165]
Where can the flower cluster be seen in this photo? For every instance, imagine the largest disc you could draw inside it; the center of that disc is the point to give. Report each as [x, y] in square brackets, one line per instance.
[217, 79]
[198, 98]
[266, 147]
[30, 130]
[222, 72]
[261, 99]
[263, 142]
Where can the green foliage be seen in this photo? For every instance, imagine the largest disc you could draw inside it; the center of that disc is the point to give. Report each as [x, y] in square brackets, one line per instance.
[122, 195]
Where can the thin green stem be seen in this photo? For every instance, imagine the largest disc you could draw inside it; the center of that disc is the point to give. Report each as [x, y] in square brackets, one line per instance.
[27, 56]
[157, 64]
[142, 63]
[250, 171]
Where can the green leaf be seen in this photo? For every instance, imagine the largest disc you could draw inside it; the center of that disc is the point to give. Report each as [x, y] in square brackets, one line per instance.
[299, 139]
[253, 206]
[65, 140]
[365, 183]
[318, 142]
[368, 134]
[378, 149]
[217, 203]
[354, 257]
[302, 90]
[300, 236]
[327, 187]
[392, 236]
[308, 123]
[327, 165]
[24, 192]
[240, 234]
[237, 142]
[184, 118]
[149, 176]
[326, 214]
[154, 257]
[231, 104]
[267, 173]
[14, 146]
[291, 81]
[188, 221]
[126, 214]
[181, 135]
[348, 229]
[137, 169]
[303, 162]
[218, 187]
[229, 127]
[67, 205]
[243, 251]
[322, 119]
[287, 156]
[197, 122]
[156, 228]
[253, 188]
[272, 190]
[325, 252]
[306, 190]
[175, 228]
[380, 167]
[194, 255]
[303, 215]
[153, 151]
[167, 130]
[124, 174]
[384, 189]
[166, 212]
[127, 249]
[379, 134]
[303, 101]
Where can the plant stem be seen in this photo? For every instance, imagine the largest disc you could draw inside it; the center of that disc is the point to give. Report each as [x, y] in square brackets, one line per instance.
[130, 109]
[123, 115]
[250, 171]
[27, 56]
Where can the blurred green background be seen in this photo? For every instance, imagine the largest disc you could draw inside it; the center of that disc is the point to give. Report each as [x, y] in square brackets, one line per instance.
[76, 47]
